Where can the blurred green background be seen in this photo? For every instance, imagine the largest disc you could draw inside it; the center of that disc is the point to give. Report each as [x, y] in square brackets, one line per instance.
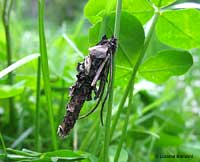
[170, 126]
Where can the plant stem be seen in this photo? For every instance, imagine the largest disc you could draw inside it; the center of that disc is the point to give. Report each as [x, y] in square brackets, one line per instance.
[79, 27]
[123, 136]
[110, 100]
[117, 19]
[3, 144]
[135, 69]
[45, 70]
[37, 108]
[6, 17]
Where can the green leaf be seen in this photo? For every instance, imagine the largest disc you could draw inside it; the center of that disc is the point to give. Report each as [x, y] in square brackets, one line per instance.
[191, 148]
[163, 3]
[168, 140]
[179, 28]
[141, 9]
[165, 64]
[143, 131]
[2, 156]
[23, 153]
[95, 10]
[58, 57]
[7, 91]
[173, 122]
[63, 155]
[13, 157]
[131, 37]
[58, 155]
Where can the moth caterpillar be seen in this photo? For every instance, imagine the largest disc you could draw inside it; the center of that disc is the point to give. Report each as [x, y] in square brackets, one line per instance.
[95, 68]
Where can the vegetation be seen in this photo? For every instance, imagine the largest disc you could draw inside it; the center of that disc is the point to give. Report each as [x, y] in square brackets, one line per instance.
[153, 106]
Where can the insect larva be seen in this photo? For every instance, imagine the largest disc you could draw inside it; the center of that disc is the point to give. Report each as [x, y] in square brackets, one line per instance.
[94, 68]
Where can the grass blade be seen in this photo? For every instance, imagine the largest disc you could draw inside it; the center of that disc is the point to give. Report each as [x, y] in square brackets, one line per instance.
[18, 64]
[37, 107]
[123, 135]
[45, 70]
[73, 45]
[22, 137]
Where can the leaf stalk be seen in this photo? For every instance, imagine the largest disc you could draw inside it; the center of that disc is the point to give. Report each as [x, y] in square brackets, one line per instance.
[134, 71]
[110, 100]
[7, 6]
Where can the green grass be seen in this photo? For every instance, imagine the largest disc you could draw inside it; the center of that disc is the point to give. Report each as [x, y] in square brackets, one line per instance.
[143, 118]
[37, 108]
[45, 70]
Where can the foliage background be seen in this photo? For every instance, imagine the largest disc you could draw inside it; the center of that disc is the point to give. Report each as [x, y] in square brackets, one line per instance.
[164, 117]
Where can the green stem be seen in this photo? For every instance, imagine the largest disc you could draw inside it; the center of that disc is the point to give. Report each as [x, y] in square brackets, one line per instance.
[110, 100]
[37, 109]
[117, 19]
[79, 27]
[123, 136]
[6, 17]
[135, 69]
[45, 70]
[3, 144]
